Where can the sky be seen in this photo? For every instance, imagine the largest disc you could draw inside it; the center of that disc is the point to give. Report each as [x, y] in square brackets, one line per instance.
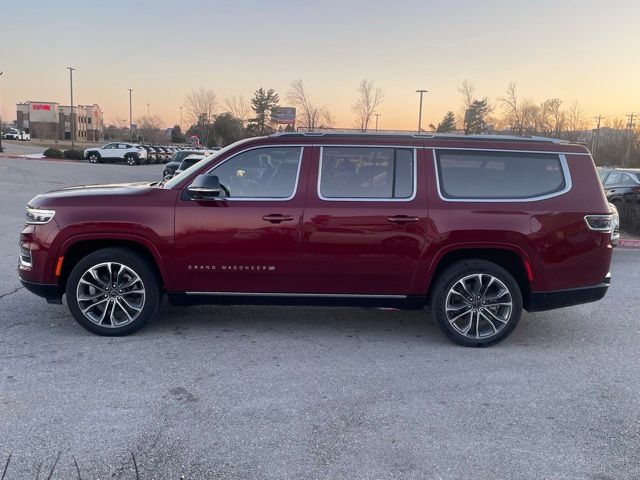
[585, 51]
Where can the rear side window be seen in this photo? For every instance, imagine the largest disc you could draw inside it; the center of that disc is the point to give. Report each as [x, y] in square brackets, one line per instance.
[498, 175]
[366, 173]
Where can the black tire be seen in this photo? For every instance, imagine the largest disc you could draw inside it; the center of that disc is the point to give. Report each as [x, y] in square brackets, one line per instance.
[93, 157]
[131, 160]
[149, 283]
[463, 270]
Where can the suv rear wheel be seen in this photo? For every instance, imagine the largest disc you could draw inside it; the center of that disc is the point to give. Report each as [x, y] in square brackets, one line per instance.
[476, 303]
[113, 292]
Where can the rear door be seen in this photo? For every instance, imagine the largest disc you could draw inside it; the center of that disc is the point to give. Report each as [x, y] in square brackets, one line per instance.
[365, 221]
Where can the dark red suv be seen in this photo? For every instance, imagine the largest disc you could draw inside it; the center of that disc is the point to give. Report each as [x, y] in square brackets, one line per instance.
[477, 227]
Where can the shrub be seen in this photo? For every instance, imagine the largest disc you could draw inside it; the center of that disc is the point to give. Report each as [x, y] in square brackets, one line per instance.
[630, 217]
[53, 153]
[74, 154]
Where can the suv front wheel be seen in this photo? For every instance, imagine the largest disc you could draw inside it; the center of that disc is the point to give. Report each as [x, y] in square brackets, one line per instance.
[113, 292]
[476, 303]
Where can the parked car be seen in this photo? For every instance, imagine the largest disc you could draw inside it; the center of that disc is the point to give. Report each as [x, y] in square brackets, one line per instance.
[15, 134]
[190, 161]
[621, 184]
[151, 154]
[173, 165]
[130, 153]
[477, 227]
[615, 235]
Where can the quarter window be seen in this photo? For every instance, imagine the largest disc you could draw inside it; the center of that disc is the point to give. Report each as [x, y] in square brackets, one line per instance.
[270, 172]
[498, 175]
[366, 172]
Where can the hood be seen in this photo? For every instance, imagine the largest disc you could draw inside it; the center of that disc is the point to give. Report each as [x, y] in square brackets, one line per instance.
[90, 192]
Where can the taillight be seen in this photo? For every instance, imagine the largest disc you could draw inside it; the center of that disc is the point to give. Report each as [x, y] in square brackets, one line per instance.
[599, 223]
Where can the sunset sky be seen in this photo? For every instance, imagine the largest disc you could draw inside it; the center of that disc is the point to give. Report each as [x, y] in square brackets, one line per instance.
[576, 50]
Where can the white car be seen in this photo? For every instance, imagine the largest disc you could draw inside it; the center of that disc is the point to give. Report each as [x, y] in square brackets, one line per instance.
[15, 134]
[189, 162]
[130, 153]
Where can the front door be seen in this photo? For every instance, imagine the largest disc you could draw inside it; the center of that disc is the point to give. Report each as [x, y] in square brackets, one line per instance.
[247, 240]
[365, 221]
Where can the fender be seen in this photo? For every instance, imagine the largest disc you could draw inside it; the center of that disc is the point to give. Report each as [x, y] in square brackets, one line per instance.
[143, 241]
[426, 272]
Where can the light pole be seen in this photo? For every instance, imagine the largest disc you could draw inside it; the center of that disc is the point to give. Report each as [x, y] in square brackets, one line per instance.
[421, 92]
[73, 118]
[130, 117]
[180, 117]
[377, 116]
[1, 120]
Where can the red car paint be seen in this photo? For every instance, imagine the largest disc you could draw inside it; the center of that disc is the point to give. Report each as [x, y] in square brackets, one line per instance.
[345, 248]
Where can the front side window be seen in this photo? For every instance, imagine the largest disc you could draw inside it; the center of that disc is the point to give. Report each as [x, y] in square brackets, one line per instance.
[498, 175]
[366, 173]
[269, 172]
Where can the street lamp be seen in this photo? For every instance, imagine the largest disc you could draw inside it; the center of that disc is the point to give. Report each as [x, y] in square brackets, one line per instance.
[73, 119]
[130, 117]
[377, 116]
[1, 150]
[421, 92]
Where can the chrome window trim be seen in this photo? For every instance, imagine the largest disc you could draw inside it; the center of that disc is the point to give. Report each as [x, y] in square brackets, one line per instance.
[489, 149]
[263, 199]
[563, 163]
[311, 295]
[369, 199]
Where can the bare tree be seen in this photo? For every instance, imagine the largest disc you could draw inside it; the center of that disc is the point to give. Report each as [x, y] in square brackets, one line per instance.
[511, 108]
[239, 107]
[309, 116]
[150, 127]
[467, 90]
[576, 122]
[369, 98]
[201, 106]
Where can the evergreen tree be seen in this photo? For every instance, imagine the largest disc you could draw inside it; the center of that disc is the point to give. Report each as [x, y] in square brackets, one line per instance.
[176, 134]
[476, 117]
[262, 103]
[448, 123]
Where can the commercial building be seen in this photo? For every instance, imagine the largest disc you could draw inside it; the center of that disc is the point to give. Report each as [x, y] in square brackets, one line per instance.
[50, 120]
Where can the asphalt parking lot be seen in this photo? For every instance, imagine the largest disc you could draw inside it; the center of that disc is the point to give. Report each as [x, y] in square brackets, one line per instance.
[296, 392]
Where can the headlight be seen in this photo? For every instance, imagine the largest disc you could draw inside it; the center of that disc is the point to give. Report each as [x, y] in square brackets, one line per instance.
[35, 216]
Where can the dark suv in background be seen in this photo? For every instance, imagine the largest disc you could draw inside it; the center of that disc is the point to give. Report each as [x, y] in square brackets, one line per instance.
[621, 184]
[478, 228]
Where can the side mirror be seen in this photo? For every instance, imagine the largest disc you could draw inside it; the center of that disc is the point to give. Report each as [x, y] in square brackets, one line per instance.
[204, 186]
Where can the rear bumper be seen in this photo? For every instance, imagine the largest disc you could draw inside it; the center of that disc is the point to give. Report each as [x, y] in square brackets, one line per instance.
[541, 301]
[50, 292]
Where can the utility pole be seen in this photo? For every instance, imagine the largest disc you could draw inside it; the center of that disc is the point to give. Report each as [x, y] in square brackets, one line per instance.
[596, 138]
[130, 117]
[377, 116]
[421, 92]
[1, 150]
[631, 118]
[73, 117]
[180, 117]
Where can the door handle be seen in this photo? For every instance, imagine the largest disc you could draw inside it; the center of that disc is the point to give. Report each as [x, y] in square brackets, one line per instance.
[277, 218]
[402, 219]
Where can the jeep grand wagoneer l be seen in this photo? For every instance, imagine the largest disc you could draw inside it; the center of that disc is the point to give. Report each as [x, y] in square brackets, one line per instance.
[479, 228]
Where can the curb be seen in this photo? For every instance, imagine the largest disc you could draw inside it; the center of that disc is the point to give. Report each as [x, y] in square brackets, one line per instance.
[627, 243]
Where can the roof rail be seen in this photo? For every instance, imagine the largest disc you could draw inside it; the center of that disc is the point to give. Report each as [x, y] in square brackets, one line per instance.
[436, 136]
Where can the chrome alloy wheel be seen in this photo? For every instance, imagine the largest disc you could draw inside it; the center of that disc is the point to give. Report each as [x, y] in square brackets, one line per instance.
[110, 294]
[479, 306]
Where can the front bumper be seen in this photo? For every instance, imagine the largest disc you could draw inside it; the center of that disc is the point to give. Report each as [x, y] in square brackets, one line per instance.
[50, 292]
[541, 301]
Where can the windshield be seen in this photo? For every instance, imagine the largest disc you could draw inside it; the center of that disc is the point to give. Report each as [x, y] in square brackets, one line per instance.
[203, 163]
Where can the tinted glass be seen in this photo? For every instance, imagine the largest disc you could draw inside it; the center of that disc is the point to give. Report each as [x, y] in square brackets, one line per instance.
[269, 172]
[602, 175]
[498, 175]
[613, 178]
[627, 180]
[366, 172]
[188, 162]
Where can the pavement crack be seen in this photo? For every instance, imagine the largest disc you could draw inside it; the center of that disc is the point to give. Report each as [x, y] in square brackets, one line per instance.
[11, 292]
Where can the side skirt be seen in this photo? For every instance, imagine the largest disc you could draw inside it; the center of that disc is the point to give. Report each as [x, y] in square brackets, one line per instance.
[318, 300]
